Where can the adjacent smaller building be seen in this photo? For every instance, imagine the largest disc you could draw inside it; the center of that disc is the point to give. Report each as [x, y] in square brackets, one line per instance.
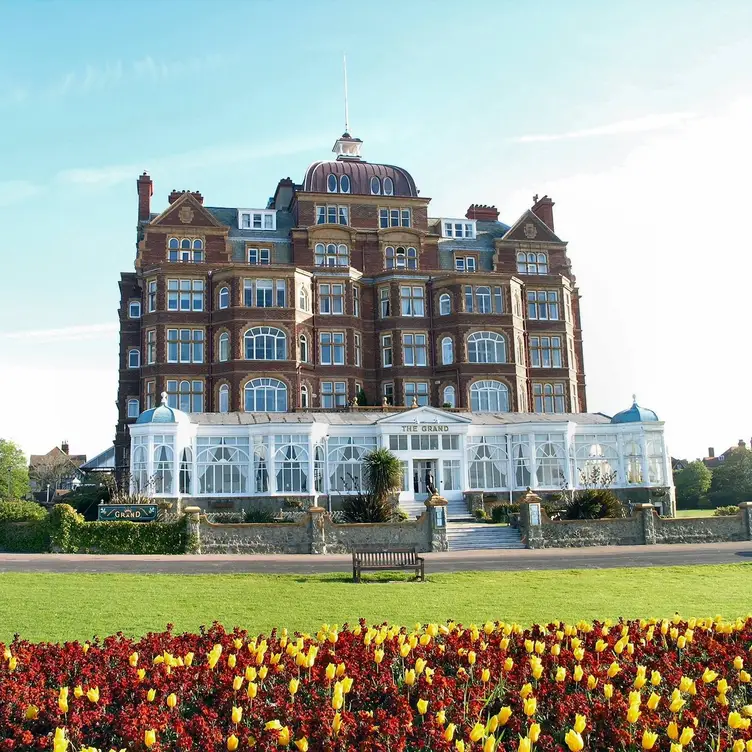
[56, 473]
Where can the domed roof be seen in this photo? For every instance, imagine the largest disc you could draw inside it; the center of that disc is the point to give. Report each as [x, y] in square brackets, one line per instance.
[360, 174]
[635, 414]
[162, 414]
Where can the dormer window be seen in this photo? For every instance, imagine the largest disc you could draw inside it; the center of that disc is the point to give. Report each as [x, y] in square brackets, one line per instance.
[388, 187]
[254, 219]
[344, 184]
[331, 183]
[458, 228]
[185, 250]
[375, 186]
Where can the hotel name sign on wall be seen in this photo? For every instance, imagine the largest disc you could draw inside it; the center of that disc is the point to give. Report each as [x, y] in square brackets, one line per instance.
[425, 428]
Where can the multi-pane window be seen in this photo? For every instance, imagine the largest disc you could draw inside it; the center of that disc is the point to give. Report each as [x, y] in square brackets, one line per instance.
[224, 297]
[489, 396]
[395, 218]
[357, 350]
[412, 301]
[400, 257]
[416, 391]
[398, 442]
[445, 304]
[414, 349]
[224, 399]
[333, 215]
[487, 461]
[332, 348]
[458, 229]
[304, 299]
[185, 294]
[185, 345]
[265, 343]
[387, 391]
[424, 442]
[543, 305]
[224, 347]
[133, 410]
[331, 298]
[185, 250]
[304, 396]
[549, 398]
[152, 295]
[450, 399]
[151, 393]
[486, 347]
[356, 301]
[151, 347]
[447, 351]
[303, 347]
[570, 353]
[265, 293]
[185, 395]
[483, 299]
[134, 358]
[333, 394]
[465, 263]
[259, 256]
[265, 395]
[385, 303]
[134, 309]
[257, 220]
[532, 263]
[386, 350]
[545, 352]
[331, 254]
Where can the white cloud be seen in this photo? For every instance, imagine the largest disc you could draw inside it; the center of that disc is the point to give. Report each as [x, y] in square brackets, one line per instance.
[15, 191]
[67, 333]
[643, 124]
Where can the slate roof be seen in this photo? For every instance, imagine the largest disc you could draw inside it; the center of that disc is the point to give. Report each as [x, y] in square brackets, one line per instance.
[486, 234]
[238, 237]
[75, 459]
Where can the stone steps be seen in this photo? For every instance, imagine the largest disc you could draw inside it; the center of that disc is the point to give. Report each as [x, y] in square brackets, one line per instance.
[469, 536]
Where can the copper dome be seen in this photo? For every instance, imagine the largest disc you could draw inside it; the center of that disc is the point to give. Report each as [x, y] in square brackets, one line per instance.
[360, 174]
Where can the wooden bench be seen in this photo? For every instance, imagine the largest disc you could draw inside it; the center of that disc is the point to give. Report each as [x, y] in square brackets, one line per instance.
[387, 559]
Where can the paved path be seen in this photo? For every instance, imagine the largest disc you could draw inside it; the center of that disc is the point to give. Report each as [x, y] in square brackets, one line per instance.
[452, 561]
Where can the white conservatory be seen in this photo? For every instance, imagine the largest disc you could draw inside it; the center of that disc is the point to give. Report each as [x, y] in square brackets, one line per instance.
[233, 456]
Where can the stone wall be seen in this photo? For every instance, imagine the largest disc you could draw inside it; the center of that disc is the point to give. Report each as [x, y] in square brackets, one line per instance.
[276, 538]
[575, 533]
[701, 529]
[341, 539]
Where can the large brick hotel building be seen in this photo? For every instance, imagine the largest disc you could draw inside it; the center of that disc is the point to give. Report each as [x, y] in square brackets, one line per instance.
[343, 286]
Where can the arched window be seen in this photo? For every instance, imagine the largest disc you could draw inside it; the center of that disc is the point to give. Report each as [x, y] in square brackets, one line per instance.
[222, 464]
[198, 245]
[388, 187]
[346, 454]
[265, 396]
[186, 463]
[163, 469]
[331, 255]
[224, 297]
[375, 186]
[140, 479]
[260, 465]
[303, 300]
[224, 398]
[483, 299]
[291, 463]
[445, 305]
[344, 184]
[133, 408]
[532, 263]
[449, 396]
[304, 396]
[447, 351]
[597, 459]
[224, 347]
[303, 343]
[486, 347]
[185, 244]
[331, 183]
[489, 397]
[550, 461]
[265, 343]
[400, 258]
[134, 358]
[173, 244]
[633, 461]
[487, 462]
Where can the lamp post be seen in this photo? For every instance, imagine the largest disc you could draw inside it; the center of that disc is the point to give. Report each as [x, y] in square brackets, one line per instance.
[48, 494]
[10, 484]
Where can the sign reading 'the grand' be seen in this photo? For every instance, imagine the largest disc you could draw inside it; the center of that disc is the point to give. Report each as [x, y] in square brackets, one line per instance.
[129, 512]
[425, 428]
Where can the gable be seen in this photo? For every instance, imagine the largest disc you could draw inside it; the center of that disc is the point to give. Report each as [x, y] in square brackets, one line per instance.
[425, 415]
[531, 229]
[187, 211]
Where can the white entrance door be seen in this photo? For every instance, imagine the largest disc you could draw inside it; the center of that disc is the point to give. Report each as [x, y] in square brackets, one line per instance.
[424, 474]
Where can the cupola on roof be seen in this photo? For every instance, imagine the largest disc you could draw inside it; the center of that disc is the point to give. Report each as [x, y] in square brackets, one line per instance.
[163, 414]
[635, 414]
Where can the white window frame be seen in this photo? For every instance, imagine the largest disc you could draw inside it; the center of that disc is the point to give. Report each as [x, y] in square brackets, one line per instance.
[544, 350]
[415, 349]
[445, 297]
[185, 250]
[335, 344]
[193, 344]
[532, 263]
[544, 302]
[332, 214]
[331, 255]
[385, 302]
[134, 358]
[395, 216]
[185, 289]
[263, 256]
[447, 351]
[223, 344]
[332, 394]
[418, 389]
[374, 181]
[129, 404]
[465, 229]
[357, 349]
[151, 347]
[226, 290]
[151, 287]
[412, 301]
[131, 304]
[267, 219]
[387, 351]
[331, 298]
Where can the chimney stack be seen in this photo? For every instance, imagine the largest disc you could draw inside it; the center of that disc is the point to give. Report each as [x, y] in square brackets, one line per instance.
[742, 444]
[64, 446]
[483, 213]
[711, 453]
[145, 191]
[175, 195]
[543, 208]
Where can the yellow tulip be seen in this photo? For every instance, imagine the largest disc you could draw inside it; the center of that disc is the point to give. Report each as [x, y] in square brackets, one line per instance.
[237, 683]
[492, 725]
[378, 656]
[655, 678]
[600, 646]
[579, 653]
[485, 675]
[337, 701]
[141, 674]
[293, 686]
[449, 732]
[635, 698]
[62, 699]
[534, 732]
[580, 722]
[592, 682]
[574, 741]
[504, 715]
[735, 721]
[525, 690]
[561, 674]
[341, 669]
[722, 686]
[477, 732]
[508, 664]
[608, 691]
[151, 694]
[188, 660]
[649, 738]
[490, 744]
[337, 722]
[687, 735]
[676, 705]
[676, 748]
[251, 690]
[737, 746]
[78, 691]
[302, 744]
[410, 677]
[274, 725]
[422, 706]
[613, 670]
[441, 717]
[530, 706]
[133, 659]
[214, 654]
[633, 713]
[32, 712]
[524, 745]
[653, 701]
[471, 657]
[459, 745]
[262, 672]
[709, 676]
[537, 671]
[92, 695]
[232, 743]
[150, 738]
[578, 673]
[59, 743]
[420, 664]
[673, 731]
[744, 676]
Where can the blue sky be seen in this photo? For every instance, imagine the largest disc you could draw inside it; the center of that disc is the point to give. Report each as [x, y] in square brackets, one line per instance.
[632, 116]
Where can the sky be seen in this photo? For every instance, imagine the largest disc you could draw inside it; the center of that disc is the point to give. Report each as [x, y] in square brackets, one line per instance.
[635, 117]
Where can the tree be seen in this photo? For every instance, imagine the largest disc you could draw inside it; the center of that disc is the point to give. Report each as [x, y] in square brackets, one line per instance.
[14, 473]
[732, 479]
[361, 398]
[692, 484]
[383, 477]
[50, 469]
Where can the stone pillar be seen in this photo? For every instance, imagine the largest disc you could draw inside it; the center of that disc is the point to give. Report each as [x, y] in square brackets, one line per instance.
[746, 510]
[474, 501]
[647, 512]
[437, 520]
[316, 531]
[530, 520]
[193, 529]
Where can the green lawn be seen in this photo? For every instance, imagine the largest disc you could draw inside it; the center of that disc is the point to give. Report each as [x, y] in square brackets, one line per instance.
[694, 512]
[78, 606]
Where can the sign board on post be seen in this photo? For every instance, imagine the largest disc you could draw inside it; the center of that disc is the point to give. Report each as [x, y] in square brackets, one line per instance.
[127, 512]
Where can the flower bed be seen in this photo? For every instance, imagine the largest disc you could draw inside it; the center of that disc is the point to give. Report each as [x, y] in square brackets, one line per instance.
[665, 685]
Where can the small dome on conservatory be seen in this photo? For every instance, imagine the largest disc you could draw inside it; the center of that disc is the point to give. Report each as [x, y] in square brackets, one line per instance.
[162, 414]
[635, 414]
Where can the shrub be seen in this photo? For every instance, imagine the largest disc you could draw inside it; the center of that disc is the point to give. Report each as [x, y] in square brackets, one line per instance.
[255, 514]
[726, 511]
[24, 527]
[366, 508]
[504, 512]
[86, 500]
[480, 515]
[383, 477]
[402, 515]
[21, 511]
[593, 504]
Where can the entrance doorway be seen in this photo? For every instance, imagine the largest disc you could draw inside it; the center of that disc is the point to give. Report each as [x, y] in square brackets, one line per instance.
[424, 471]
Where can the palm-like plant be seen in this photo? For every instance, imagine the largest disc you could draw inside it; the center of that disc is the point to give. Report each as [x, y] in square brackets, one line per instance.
[383, 477]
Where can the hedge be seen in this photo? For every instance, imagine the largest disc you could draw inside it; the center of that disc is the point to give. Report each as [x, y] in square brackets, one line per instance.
[21, 511]
[71, 534]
